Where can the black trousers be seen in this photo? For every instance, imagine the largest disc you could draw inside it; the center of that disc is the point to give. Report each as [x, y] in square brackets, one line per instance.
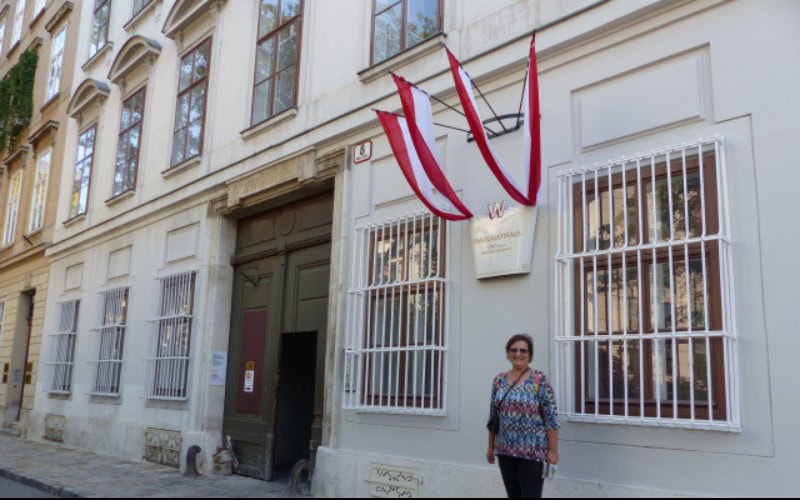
[522, 478]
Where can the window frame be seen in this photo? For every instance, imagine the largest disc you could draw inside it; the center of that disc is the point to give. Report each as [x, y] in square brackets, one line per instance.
[143, 6]
[125, 133]
[104, 28]
[274, 74]
[12, 215]
[204, 81]
[111, 363]
[163, 325]
[63, 370]
[56, 58]
[39, 194]
[403, 28]
[84, 174]
[368, 345]
[3, 23]
[19, 20]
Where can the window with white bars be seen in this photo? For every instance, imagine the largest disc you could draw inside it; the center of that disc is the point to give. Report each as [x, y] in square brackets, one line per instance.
[12, 208]
[56, 63]
[396, 349]
[19, 15]
[645, 330]
[39, 198]
[62, 347]
[170, 343]
[112, 321]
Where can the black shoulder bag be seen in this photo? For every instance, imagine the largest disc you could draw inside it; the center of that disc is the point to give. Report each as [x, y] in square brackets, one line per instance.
[493, 425]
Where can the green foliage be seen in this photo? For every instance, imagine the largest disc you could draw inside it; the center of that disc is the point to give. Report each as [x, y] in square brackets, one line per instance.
[16, 98]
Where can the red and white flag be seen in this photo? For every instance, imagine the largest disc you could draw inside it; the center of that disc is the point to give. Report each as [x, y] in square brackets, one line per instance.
[526, 192]
[397, 130]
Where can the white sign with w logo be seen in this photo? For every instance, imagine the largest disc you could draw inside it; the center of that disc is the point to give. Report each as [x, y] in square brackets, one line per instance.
[502, 243]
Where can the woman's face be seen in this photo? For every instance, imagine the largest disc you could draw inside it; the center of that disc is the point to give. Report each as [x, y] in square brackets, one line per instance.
[519, 355]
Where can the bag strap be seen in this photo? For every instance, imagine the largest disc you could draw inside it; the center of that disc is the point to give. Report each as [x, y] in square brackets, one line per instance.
[512, 387]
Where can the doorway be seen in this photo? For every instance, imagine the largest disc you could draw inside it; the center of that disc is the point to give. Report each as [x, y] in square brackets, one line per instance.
[20, 371]
[274, 392]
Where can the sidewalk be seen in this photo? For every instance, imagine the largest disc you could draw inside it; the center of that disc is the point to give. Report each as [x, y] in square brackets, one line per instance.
[74, 473]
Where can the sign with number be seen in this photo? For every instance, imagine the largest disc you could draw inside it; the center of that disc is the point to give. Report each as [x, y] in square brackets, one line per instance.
[249, 378]
[362, 152]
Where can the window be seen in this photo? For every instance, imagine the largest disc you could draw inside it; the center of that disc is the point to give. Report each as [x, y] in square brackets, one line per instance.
[2, 315]
[168, 362]
[39, 7]
[644, 320]
[130, 134]
[19, 15]
[83, 173]
[62, 345]
[56, 62]
[401, 24]
[277, 57]
[398, 340]
[12, 208]
[112, 325]
[39, 198]
[187, 139]
[100, 18]
[2, 34]
[139, 5]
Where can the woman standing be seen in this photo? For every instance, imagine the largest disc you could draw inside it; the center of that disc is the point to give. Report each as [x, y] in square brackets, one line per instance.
[524, 405]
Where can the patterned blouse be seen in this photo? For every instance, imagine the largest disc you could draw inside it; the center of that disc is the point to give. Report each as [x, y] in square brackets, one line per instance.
[526, 415]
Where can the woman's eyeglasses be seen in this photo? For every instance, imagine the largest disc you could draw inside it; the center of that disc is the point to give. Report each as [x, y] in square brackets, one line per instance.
[518, 351]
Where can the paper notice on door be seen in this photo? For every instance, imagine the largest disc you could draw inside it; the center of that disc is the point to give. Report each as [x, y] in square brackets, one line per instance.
[219, 363]
[249, 378]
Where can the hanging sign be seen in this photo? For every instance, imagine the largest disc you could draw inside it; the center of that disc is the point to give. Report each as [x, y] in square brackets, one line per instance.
[502, 243]
[249, 376]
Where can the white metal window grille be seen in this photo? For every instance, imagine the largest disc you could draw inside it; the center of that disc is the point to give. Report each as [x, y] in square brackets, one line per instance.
[12, 208]
[644, 292]
[100, 18]
[396, 348]
[19, 15]
[112, 321]
[62, 345]
[56, 63]
[83, 173]
[39, 192]
[168, 359]
[39, 7]
[2, 34]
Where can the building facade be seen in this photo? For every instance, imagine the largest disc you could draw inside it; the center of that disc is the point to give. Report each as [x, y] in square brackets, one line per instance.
[36, 43]
[239, 255]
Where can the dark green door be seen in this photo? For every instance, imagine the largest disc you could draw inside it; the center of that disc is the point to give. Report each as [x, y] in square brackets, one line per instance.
[278, 323]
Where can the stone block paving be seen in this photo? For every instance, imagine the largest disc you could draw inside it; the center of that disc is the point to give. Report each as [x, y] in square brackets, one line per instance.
[81, 474]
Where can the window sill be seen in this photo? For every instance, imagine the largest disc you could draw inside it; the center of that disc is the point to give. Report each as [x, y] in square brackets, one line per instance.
[12, 49]
[133, 21]
[269, 123]
[36, 19]
[97, 56]
[50, 102]
[120, 198]
[183, 166]
[34, 233]
[105, 399]
[74, 220]
[403, 58]
[62, 395]
[166, 404]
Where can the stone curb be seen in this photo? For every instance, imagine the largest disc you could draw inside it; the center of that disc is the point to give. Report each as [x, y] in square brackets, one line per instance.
[39, 485]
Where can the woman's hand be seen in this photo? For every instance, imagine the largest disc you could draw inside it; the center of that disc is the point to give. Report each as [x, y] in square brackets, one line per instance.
[490, 455]
[552, 457]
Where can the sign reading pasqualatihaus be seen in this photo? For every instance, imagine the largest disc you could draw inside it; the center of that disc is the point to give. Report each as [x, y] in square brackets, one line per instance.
[502, 245]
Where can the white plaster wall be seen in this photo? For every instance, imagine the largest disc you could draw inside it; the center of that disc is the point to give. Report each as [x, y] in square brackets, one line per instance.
[596, 70]
[115, 426]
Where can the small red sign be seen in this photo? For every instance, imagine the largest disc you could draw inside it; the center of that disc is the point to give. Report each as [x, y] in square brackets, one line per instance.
[362, 152]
